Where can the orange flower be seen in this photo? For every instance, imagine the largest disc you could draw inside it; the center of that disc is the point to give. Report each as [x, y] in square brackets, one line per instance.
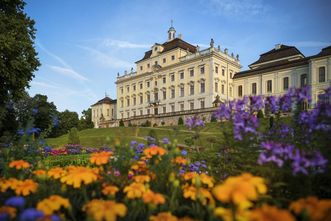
[153, 198]
[164, 216]
[134, 190]
[100, 158]
[227, 214]
[141, 179]
[190, 192]
[270, 213]
[104, 210]
[6, 184]
[25, 187]
[202, 194]
[189, 175]
[10, 211]
[153, 151]
[208, 180]
[39, 172]
[52, 204]
[56, 172]
[317, 210]
[19, 164]
[240, 190]
[140, 166]
[78, 175]
[180, 160]
[109, 190]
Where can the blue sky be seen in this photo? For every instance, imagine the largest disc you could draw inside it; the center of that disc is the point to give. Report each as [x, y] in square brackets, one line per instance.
[83, 44]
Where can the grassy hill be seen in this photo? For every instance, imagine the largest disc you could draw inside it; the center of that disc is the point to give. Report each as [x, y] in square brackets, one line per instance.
[110, 136]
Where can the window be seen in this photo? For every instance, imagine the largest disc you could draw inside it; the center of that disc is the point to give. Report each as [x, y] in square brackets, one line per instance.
[147, 83]
[223, 72]
[202, 87]
[141, 99]
[127, 88]
[321, 74]
[141, 85]
[172, 57]
[254, 88]
[164, 95]
[269, 86]
[285, 83]
[164, 79]
[303, 80]
[181, 106]
[156, 63]
[107, 112]
[156, 96]
[122, 115]
[148, 65]
[141, 68]
[191, 72]
[172, 77]
[172, 108]
[181, 75]
[231, 75]
[216, 87]
[216, 69]
[134, 113]
[240, 90]
[182, 91]
[141, 112]
[121, 103]
[155, 83]
[192, 89]
[172, 93]
[128, 102]
[164, 60]
[222, 88]
[155, 49]
[164, 109]
[134, 87]
[148, 111]
[121, 90]
[202, 103]
[202, 70]
[127, 114]
[148, 98]
[230, 89]
[192, 105]
[112, 112]
[134, 101]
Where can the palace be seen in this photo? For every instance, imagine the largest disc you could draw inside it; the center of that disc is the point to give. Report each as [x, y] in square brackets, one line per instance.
[177, 79]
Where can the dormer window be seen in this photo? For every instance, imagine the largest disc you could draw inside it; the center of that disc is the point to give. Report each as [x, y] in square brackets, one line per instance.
[148, 65]
[155, 62]
[155, 49]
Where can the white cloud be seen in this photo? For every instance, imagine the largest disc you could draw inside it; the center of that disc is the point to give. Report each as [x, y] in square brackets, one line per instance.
[44, 84]
[68, 72]
[311, 44]
[106, 59]
[122, 44]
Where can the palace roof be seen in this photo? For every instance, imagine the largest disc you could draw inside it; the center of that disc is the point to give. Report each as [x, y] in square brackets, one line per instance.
[105, 100]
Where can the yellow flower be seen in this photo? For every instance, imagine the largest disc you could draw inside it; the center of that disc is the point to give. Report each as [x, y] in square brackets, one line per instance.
[134, 190]
[153, 198]
[153, 151]
[195, 193]
[189, 175]
[52, 204]
[56, 172]
[7, 183]
[208, 180]
[78, 175]
[100, 158]
[270, 213]
[10, 211]
[39, 172]
[226, 214]
[189, 192]
[19, 164]
[141, 179]
[164, 216]
[317, 210]
[106, 210]
[109, 190]
[240, 190]
[25, 187]
[180, 160]
[140, 166]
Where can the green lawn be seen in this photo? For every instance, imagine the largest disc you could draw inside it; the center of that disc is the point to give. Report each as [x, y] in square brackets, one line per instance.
[111, 136]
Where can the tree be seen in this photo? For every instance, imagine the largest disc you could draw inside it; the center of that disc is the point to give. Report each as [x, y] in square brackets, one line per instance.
[43, 111]
[85, 120]
[180, 121]
[18, 57]
[67, 120]
[73, 136]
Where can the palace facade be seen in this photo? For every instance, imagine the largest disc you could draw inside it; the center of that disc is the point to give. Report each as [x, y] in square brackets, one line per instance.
[177, 79]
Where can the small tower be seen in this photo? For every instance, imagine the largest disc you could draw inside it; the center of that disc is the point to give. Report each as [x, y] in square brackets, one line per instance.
[171, 32]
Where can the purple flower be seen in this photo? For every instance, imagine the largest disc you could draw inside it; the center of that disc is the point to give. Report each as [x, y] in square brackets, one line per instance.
[55, 121]
[34, 110]
[30, 214]
[165, 141]
[15, 201]
[117, 173]
[184, 152]
[20, 132]
[256, 103]
[194, 122]
[273, 103]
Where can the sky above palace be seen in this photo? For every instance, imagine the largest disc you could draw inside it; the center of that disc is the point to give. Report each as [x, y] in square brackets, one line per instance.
[83, 44]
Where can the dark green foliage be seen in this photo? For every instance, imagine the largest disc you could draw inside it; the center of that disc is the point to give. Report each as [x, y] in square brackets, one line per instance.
[213, 119]
[121, 123]
[67, 120]
[73, 136]
[152, 134]
[180, 121]
[260, 114]
[85, 121]
[146, 124]
[18, 56]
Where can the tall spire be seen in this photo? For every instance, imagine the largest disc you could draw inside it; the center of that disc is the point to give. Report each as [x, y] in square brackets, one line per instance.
[171, 31]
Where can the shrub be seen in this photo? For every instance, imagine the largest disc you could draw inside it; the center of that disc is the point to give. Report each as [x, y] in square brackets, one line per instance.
[152, 137]
[180, 121]
[121, 124]
[73, 136]
[155, 125]
[260, 114]
[213, 119]
[162, 123]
